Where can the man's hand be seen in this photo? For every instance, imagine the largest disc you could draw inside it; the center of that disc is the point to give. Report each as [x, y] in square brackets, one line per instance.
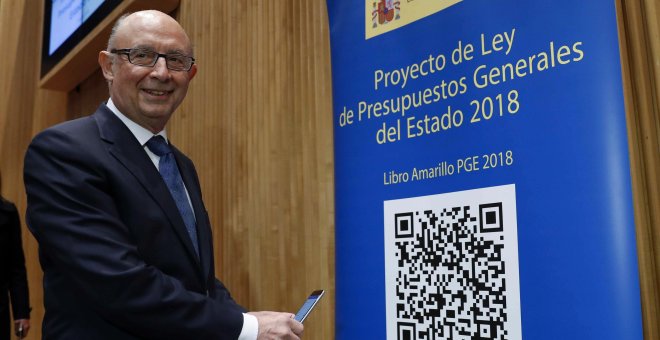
[278, 326]
[21, 327]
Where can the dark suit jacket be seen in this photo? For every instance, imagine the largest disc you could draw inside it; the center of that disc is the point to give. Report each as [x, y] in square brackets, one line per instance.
[13, 278]
[117, 260]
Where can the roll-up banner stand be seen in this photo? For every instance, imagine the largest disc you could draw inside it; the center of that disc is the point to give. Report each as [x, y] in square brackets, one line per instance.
[483, 187]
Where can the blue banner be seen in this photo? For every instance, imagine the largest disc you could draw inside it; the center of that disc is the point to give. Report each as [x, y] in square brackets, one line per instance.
[482, 174]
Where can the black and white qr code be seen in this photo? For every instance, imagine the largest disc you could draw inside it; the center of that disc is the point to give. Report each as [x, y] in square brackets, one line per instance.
[451, 266]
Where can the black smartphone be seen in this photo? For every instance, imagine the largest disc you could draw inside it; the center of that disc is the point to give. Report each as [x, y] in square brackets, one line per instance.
[308, 305]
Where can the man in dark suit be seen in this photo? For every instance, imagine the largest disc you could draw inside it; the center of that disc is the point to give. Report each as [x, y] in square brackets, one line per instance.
[124, 237]
[13, 278]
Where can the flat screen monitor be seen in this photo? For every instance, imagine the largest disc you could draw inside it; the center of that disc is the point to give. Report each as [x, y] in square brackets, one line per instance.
[66, 23]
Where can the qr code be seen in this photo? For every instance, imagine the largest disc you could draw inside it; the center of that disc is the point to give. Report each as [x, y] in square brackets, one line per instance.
[451, 266]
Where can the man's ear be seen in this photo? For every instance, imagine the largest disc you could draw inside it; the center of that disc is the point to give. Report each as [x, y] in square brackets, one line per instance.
[105, 61]
[192, 72]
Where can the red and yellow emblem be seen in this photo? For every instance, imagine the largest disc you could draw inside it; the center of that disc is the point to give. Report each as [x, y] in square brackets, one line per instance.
[382, 16]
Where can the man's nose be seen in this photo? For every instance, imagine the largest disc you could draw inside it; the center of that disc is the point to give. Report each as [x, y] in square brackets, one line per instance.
[160, 70]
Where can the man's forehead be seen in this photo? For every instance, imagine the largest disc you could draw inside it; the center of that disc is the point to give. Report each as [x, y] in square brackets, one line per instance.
[151, 47]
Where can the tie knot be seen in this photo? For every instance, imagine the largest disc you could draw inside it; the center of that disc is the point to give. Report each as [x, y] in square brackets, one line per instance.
[158, 145]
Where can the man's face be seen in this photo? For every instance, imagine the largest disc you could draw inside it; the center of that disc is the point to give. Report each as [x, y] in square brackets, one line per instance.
[148, 95]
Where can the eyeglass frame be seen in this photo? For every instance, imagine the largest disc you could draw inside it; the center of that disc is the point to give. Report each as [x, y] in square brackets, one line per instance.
[127, 52]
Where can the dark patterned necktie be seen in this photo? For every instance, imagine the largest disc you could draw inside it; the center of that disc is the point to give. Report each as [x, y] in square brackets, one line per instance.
[172, 177]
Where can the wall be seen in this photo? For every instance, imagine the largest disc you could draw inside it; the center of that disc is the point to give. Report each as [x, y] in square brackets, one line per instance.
[258, 124]
[639, 32]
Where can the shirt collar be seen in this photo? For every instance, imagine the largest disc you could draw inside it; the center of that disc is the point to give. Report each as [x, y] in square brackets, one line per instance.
[141, 134]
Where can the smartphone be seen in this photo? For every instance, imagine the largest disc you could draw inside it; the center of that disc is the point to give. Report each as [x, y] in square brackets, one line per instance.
[308, 305]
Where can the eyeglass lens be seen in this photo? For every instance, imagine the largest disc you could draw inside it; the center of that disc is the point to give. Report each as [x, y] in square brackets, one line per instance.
[174, 61]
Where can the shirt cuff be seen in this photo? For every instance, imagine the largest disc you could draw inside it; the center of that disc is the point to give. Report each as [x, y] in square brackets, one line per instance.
[250, 328]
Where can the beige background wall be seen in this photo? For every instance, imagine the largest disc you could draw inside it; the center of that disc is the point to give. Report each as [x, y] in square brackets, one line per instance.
[258, 124]
[639, 33]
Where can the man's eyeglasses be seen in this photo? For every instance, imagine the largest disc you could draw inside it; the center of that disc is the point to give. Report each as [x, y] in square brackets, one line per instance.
[142, 57]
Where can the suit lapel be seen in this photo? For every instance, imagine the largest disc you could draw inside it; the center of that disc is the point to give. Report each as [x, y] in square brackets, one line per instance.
[128, 151]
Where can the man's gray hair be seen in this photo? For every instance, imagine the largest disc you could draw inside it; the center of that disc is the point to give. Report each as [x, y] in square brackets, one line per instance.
[113, 33]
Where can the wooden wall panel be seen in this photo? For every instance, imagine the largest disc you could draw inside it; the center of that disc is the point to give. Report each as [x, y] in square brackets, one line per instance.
[19, 33]
[639, 26]
[87, 96]
[258, 124]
